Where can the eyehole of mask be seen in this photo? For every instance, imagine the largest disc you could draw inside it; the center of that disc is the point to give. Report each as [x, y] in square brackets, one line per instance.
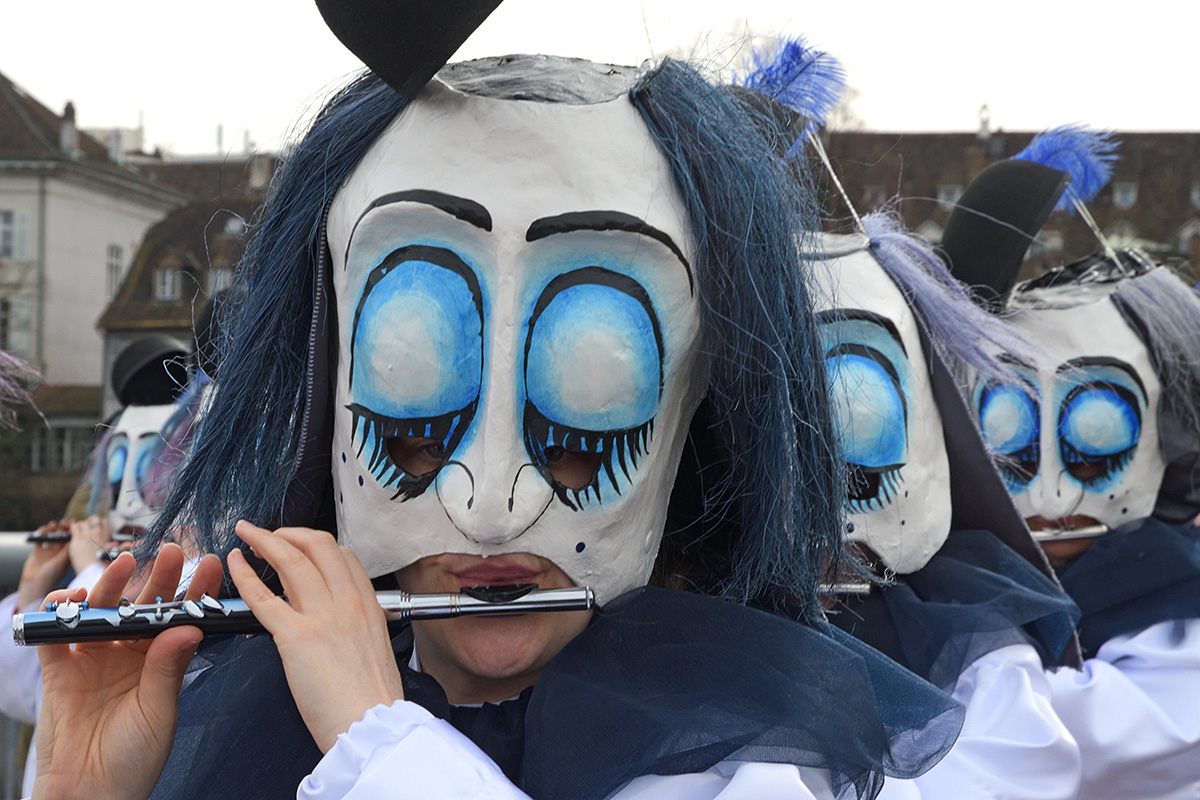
[571, 468]
[416, 455]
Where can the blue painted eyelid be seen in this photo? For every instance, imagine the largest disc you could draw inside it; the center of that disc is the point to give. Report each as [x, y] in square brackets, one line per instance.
[869, 409]
[116, 463]
[442, 308]
[557, 355]
[1011, 412]
[1099, 420]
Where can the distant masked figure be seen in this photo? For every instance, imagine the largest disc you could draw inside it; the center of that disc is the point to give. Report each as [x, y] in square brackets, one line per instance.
[1098, 441]
[967, 599]
[148, 377]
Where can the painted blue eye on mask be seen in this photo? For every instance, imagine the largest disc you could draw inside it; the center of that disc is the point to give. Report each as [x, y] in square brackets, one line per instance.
[416, 364]
[1010, 422]
[593, 379]
[864, 358]
[1099, 425]
[150, 447]
[118, 454]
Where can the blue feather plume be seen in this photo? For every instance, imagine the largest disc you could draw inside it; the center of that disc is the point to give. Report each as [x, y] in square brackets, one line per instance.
[1086, 155]
[789, 71]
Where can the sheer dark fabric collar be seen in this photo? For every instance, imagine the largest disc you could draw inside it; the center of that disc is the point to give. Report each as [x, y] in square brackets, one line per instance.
[660, 683]
[974, 596]
[1141, 574]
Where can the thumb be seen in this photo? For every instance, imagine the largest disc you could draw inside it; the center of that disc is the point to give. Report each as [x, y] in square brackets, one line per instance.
[162, 674]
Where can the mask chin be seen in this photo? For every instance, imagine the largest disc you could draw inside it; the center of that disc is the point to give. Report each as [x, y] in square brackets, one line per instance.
[519, 338]
[890, 427]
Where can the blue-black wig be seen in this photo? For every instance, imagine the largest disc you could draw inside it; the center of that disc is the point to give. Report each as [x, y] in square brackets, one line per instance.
[758, 497]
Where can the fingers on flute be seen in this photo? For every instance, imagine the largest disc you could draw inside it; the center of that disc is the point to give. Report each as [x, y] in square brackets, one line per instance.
[164, 574]
[167, 658]
[297, 572]
[207, 578]
[107, 590]
[49, 654]
[358, 574]
[269, 608]
[62, 595]
[322, 550]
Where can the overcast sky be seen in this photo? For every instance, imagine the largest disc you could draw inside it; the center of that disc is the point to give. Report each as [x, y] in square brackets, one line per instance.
[255, 65]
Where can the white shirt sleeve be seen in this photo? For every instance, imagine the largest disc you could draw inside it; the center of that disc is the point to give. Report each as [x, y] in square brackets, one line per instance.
[402, 751]
[1012, 744]
[88, 577]
[20, 670]
[1135, 711]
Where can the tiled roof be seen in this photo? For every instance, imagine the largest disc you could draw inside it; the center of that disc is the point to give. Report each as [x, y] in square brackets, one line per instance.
[193, 240]
[29, 130]
[56, 400]
[234, 177]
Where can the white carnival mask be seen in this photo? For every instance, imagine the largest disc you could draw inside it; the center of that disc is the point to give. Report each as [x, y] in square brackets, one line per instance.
[132, 449]
[514, 291]
[1077, 440]
[888, 420]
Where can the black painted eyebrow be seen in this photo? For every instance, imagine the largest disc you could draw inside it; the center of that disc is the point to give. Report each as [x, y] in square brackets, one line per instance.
[839, 314]
[458, 207]
[605, 221]
[1104, 361]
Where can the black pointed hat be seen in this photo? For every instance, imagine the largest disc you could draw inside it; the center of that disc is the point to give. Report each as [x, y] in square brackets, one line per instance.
[150, 371]
[994, 222]
[404, 42]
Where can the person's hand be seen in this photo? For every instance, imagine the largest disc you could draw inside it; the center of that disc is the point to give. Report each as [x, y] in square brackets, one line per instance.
[44, 568]
[109, 709]
[332, 636]
[88, 539]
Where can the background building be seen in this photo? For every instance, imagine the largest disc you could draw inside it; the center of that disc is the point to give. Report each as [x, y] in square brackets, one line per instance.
[1153, 201]
[97, 247]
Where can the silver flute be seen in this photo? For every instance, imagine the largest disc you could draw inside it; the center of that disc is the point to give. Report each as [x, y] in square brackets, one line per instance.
[1067, 534]
[62, 537]
[68, 622]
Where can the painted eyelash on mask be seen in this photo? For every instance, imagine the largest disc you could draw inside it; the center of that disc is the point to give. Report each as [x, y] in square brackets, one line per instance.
[618, 450]
[1011, 467]
[1109, 464]
[372, 430]
[871, 488]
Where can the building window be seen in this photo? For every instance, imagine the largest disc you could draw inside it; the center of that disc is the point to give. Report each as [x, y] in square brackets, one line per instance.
[1125, 195]
[873, 196]
[112, 267]
[948, 194]
[166, 284]
[5, 323]
[1188, 238]
[1046, 243]
[930, 231]
[7, 234]
[1052, 241]
[1122, 234]
[219, 280]
[60, 448]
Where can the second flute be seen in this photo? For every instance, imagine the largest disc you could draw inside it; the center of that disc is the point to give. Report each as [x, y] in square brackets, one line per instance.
[70, 622]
